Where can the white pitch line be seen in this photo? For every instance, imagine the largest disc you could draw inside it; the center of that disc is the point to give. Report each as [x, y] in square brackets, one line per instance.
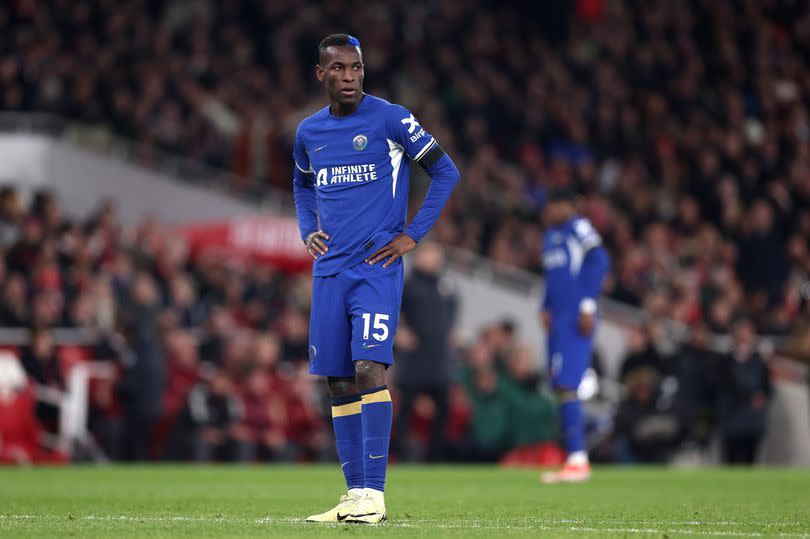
[681, 523]
[543, 525]
[768, 524]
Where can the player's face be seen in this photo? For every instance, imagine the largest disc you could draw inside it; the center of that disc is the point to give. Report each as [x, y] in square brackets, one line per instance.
[557, 212]
[341, 71]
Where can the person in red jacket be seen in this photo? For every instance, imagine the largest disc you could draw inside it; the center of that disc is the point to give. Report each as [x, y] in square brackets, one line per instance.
[304, 424]
[20, 433]
[261, 432]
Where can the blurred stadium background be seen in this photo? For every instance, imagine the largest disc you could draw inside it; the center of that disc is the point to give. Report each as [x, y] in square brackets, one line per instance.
[154, 290]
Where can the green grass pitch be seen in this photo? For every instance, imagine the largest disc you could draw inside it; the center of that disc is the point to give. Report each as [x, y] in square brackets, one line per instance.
[446, 501]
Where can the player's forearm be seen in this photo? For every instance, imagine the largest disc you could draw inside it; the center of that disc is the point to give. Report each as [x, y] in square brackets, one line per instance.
[306, 204]
[594, 268]
[443, 177]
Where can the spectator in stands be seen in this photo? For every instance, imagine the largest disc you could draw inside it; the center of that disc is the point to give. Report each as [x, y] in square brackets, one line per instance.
[695, 369]
[183, 373]
[305, 428]
[743, 395]
[188, 311]
[501, 339]
[663, 142]
[429, 305]
[21, 438]
[267, 288]
[763, 262]
[260, 432]
[46, 209]
[648, 425]
[81, 312]
[693, 175]
[641, 354]
[533, 413]
[42, 367]
[218, 328]
[506, 410]
[11, 215]
[14, 309]
[203, 431]
[143, 379]
[23, 254]
[491, 424]
[294, 336]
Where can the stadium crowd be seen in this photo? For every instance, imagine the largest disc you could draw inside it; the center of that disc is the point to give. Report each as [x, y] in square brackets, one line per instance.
[685, 130]
[210, 358]
[186, 339]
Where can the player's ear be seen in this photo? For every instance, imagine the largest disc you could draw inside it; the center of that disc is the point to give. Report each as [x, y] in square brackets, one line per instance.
[319, 72]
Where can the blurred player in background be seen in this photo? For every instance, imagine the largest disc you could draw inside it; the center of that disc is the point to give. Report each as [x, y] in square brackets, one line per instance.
[352, 162]
[575, 265]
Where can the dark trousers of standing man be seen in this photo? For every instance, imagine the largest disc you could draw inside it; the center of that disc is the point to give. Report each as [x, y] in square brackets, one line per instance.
[407, 398]
[740, 449]
[138, 430]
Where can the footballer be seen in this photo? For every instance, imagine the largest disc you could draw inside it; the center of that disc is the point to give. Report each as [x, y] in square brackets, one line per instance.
[351, 180]
[575, 265]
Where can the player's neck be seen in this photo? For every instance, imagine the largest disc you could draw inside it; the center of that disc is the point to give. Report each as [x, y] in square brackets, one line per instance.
[561, 222]
[566, 219]
[339, 111]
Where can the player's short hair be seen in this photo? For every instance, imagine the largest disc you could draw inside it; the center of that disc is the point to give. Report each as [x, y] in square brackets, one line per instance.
[336, 40]
[561, 194]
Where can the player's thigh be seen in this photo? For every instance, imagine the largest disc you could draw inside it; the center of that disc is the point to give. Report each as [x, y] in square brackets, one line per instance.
[569, 358]
[373, 306]
[329, 329]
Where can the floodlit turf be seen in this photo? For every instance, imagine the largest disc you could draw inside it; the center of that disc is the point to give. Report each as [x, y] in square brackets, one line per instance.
[468, 501]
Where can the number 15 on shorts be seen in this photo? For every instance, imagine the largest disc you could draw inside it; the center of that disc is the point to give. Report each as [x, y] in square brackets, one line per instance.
[380, 326]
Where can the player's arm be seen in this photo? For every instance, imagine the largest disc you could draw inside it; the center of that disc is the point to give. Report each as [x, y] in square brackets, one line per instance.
[443, 177]
[594, 269]
[306, 202]
[545, 312]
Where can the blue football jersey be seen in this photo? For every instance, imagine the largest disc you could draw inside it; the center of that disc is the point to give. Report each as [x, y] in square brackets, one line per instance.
[360, 167]
[564, 251]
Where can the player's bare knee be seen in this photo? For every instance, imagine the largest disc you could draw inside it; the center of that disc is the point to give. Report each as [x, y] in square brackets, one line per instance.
[342, 387]
[369, 374]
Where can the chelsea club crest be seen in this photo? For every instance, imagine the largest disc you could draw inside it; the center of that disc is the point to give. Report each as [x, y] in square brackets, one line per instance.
[360, 142]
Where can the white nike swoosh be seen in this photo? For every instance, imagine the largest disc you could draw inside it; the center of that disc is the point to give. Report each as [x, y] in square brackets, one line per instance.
[376, 456]
[344, 465]
[320, 148]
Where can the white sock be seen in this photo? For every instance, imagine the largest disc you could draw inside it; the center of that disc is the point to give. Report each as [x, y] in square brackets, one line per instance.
[356, 492]
[377, 495]
[578, 458]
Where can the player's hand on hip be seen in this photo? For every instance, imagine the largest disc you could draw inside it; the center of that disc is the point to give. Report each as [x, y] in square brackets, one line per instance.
[316, 244]
[392, 250]
[587, 323]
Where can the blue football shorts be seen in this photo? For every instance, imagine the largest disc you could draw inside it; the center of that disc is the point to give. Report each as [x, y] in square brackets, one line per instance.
[354, 317]
[569, 354]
